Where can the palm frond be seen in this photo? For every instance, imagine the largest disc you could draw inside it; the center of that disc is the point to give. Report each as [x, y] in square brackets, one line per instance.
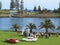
[31, 26]
[58, 28]
[47, 24]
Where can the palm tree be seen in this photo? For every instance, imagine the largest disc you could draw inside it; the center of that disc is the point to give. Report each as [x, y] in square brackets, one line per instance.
[16, 27]
[47, 24]
[58, 28]
[31, 26]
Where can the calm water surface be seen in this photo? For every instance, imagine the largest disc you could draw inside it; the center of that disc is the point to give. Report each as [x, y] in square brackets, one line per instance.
[6, 23]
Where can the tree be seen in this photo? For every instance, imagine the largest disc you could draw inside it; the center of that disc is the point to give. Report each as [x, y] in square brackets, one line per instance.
[12, 5]
[26, 9]
[47, 24]
[31, 26]
[58, 27]
[0, 5]
[55, 10]
[16, 27]
[35, 8]
[17, 5]
[59, 4]
[58, 10]
[39, 9]
[49, 10]
[45, 10]
[21, 6]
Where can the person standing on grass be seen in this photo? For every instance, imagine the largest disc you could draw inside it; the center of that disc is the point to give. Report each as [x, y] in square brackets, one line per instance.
[34, 35]
[57, 35]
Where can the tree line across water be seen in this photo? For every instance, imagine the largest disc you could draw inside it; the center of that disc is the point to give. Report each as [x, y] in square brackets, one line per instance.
[19, 6]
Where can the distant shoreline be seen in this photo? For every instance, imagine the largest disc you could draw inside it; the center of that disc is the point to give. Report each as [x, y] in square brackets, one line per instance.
[29, 16]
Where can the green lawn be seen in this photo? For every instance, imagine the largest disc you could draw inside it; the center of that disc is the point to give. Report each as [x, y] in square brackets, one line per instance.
[53, 40]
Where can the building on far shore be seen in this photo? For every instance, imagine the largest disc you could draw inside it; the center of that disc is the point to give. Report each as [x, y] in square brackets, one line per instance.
[13, 13]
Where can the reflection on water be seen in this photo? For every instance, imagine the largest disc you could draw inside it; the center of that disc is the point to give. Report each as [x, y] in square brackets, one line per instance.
[6, 23]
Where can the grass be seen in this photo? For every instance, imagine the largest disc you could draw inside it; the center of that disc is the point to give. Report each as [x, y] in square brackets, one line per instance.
[4, 12]
[53, 40]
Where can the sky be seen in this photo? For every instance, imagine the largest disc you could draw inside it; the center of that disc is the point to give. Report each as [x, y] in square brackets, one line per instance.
[29, 4]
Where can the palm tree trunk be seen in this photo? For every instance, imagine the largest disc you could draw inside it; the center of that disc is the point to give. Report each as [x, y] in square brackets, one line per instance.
[46, 30]
[30, 30]
[15, 30]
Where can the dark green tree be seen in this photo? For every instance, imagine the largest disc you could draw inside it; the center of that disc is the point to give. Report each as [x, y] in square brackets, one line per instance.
[26, 9]
[59, 4]
[12, 5]
[59, 8]
[55, 10]
[45, 10]
[39, 9]
[21, 6]
[0, 5]
[17, 5]
[35, 8]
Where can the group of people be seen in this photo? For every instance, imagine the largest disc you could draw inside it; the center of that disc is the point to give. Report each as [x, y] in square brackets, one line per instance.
[42, 34]
[33, 34]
